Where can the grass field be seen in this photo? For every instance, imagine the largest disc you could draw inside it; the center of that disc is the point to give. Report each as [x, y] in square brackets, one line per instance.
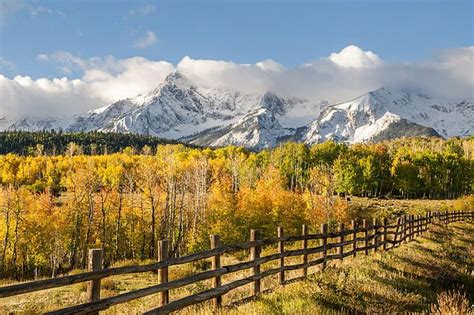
[410, 278]
[436, 267]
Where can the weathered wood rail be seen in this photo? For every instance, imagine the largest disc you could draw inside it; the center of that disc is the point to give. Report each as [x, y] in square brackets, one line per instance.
[345, 242]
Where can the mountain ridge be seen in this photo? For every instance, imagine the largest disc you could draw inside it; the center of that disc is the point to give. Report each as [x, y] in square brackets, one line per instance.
[180, 109]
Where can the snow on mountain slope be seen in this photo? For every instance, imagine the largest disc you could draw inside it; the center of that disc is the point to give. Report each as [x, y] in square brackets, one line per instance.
[365, 117]
[179, 109]
[259, 129]
[29, 124]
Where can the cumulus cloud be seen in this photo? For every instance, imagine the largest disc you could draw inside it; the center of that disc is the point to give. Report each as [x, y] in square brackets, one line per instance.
[22, 96]
[338, 77]
[104, 80]
[149, 39]
[342, 75]
[354, 57]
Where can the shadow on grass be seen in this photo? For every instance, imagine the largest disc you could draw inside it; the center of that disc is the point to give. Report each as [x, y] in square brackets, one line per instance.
[249, 299]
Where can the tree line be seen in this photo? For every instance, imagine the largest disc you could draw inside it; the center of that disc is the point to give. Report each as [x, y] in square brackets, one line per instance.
[57, 142]
[53, 208]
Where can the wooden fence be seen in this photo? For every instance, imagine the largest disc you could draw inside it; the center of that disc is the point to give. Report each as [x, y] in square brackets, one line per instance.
[363, 238]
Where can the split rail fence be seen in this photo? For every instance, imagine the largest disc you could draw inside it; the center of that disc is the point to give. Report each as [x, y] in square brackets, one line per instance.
[367, 237]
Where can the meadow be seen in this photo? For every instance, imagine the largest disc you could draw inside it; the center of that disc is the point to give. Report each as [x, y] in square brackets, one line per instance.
[431, 274]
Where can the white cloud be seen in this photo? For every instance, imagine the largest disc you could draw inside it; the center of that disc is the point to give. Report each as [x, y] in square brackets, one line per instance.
[342, 75]
[8, 7]
[6, 64]
[142, 11]
[131, 77]
[149, 39]
[270, 65]
[354, 57]
[22, 96]
[104, 80]
[107, 79]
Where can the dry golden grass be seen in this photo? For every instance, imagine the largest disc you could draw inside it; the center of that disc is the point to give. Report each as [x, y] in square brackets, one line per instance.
[376, 208]
[452, 303]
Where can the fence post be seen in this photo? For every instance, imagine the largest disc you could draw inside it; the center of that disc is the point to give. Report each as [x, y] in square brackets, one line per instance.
[397, 230]
[422, 222]
[425, 221]
[406, 228]
[216, 264]
[366, 235]
[163, 272]
[375, 228]
[324, 232]
[281, 250]
[384, 234]
[412, 222]
[417, 225]
[428, 221]
[354, 237]
[93, 286]
[340, 249]
[254, 255]
[304, 244]
[420, 225]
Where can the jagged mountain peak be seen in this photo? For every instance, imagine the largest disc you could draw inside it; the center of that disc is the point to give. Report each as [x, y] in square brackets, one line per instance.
[181, 109]
[178, 79]
[273, 103]
[368, 116]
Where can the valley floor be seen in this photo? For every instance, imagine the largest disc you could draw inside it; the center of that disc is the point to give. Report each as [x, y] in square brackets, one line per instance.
[407, 279]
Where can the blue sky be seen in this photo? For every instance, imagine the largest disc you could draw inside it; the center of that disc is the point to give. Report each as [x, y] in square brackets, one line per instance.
[67, 57]
[290, 32]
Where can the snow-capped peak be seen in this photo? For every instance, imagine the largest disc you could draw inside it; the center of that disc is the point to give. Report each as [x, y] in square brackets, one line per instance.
[366, 116]
[180, 109]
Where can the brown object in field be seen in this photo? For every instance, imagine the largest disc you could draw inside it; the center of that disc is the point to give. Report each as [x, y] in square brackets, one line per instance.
[216, 264]
[340, 249]
[354, 237]
[93, 286]
[163, 272]
[304, 245]
[254, 255]
[281, 251]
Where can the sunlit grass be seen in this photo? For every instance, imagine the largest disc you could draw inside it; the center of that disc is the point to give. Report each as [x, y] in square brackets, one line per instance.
[411, 278]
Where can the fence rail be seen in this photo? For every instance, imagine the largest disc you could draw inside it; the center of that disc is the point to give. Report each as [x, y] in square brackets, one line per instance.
[345, 242]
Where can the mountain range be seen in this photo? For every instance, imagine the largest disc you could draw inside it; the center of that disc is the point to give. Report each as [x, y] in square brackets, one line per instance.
[180, 109]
